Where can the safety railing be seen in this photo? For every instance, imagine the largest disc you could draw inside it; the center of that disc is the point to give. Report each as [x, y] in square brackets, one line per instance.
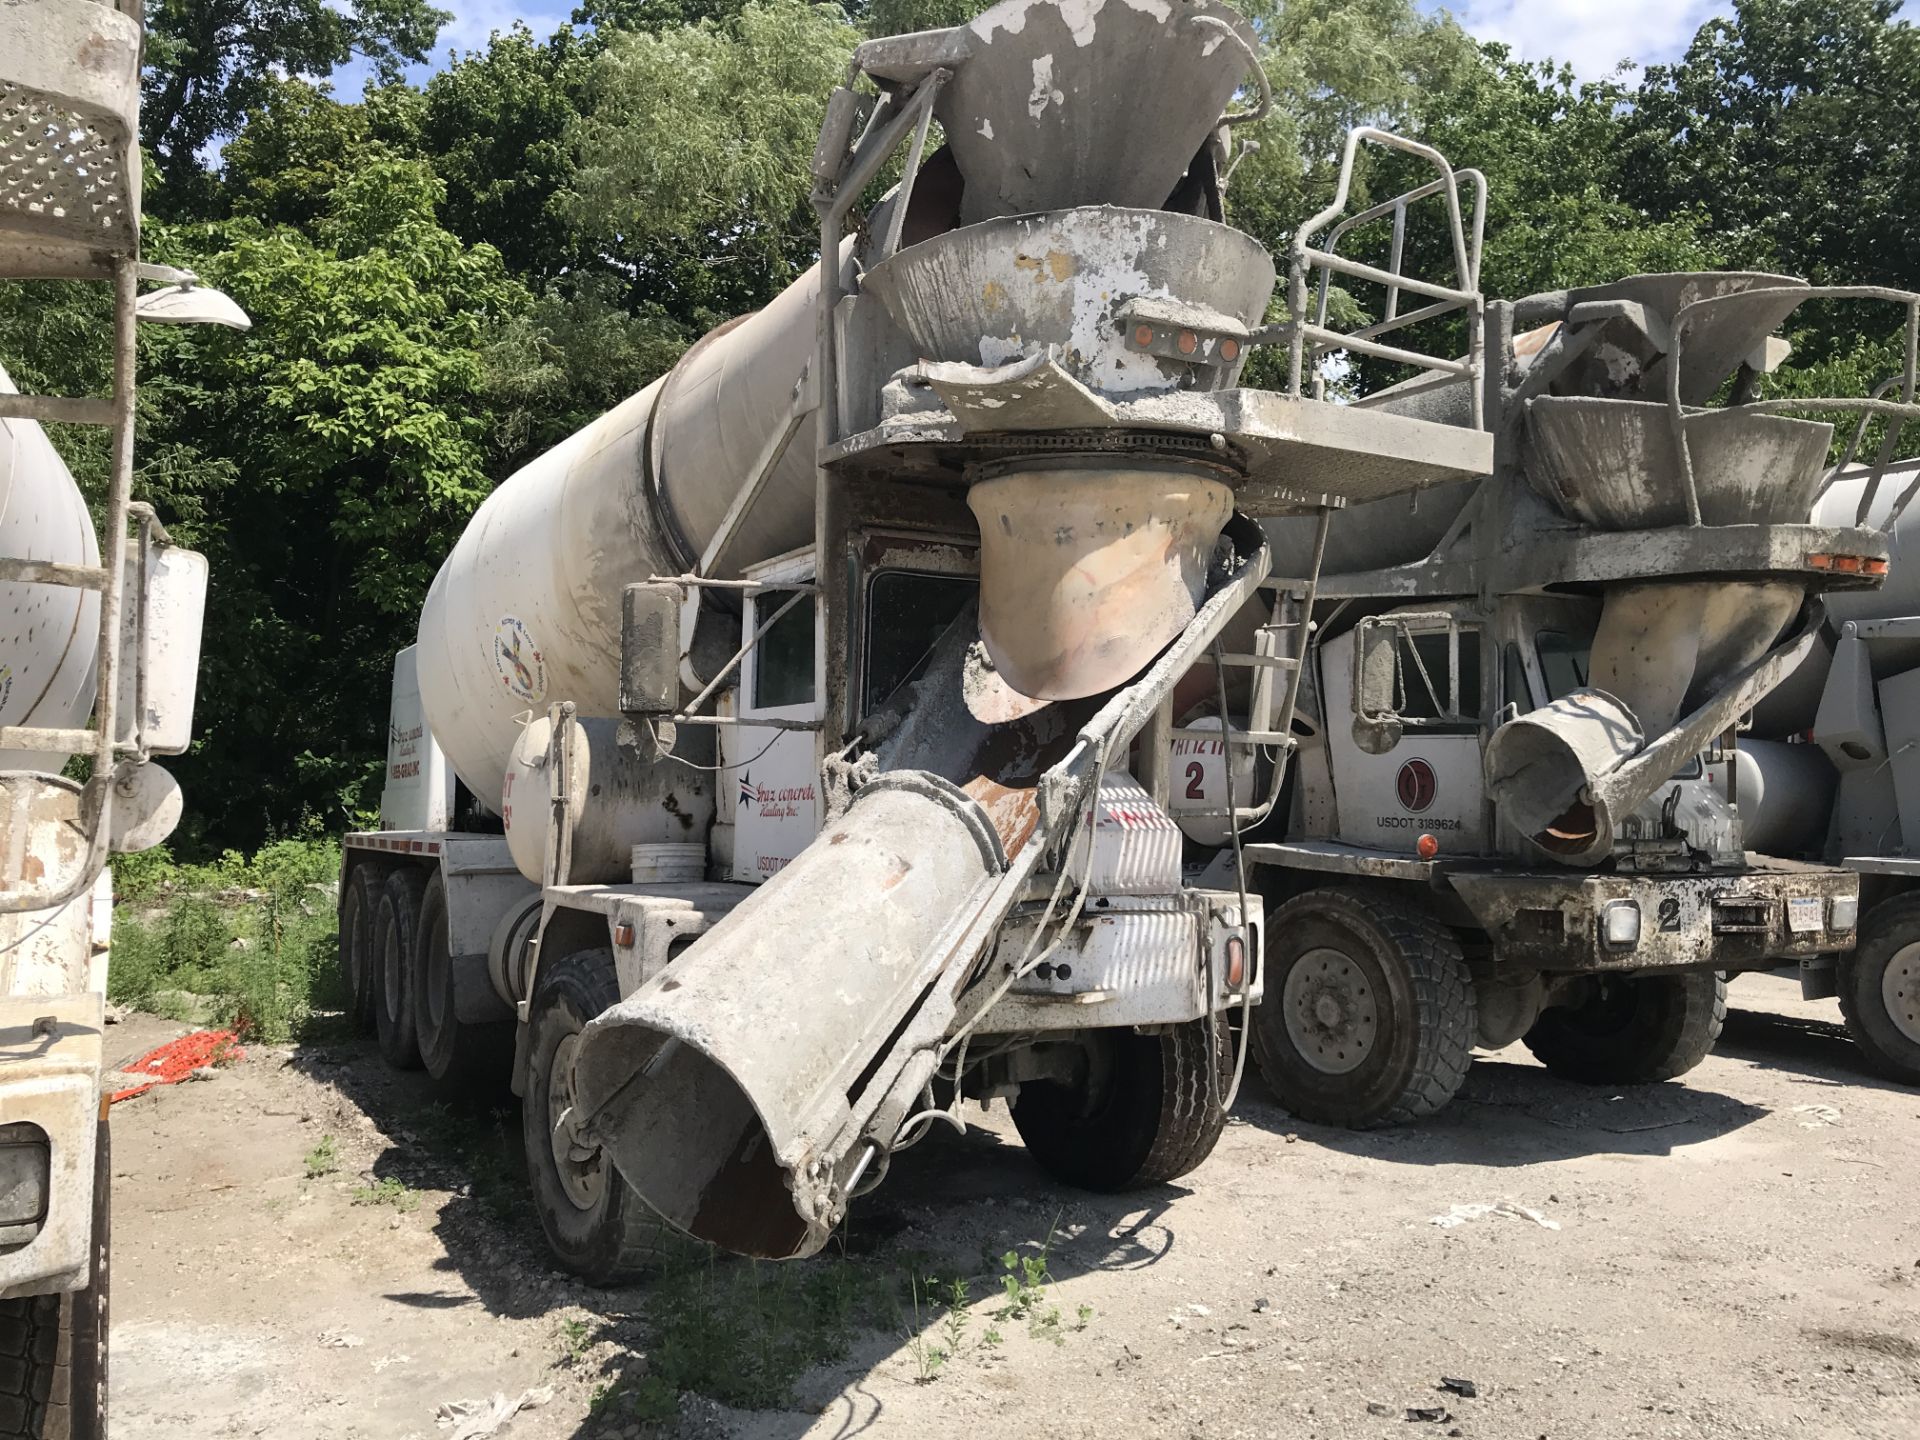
[1313, 267]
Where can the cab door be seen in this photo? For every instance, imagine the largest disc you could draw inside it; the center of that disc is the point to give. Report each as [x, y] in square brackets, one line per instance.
[1408, 763]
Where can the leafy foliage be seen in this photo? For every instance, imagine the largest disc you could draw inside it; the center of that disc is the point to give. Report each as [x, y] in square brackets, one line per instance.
[209, 62]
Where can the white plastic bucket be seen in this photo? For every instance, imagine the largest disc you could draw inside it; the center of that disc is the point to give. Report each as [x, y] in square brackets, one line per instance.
[656, 864]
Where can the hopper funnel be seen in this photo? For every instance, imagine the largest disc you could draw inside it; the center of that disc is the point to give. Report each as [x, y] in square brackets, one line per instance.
[1087, 571]
[1117, 122]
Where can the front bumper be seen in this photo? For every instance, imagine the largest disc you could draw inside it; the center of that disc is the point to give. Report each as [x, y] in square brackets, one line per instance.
[49, 1087]
[1732, 920]
[1132, 960]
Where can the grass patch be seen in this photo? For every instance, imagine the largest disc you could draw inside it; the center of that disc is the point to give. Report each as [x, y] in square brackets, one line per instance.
[742, 1331]
[387, 1192]
[248, 943]
[323, 1159]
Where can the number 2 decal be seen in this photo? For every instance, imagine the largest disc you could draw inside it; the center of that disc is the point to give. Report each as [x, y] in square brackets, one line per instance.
[1196, 780]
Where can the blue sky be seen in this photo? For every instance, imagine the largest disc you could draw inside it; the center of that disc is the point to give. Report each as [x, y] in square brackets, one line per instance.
[1592, 35]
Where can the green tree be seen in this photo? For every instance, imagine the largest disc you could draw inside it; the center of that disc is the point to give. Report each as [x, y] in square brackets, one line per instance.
[209, 62]
[1791, 126]
[692, 149]
[335, 450]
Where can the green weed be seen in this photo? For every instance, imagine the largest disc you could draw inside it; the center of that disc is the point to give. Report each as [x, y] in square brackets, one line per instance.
[387, 1192]
[323, 1159]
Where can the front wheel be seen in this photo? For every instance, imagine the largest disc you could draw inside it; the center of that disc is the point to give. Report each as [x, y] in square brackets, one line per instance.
[597, 1227]
[1369, 1011]
[1148, 1111]
[1633, 1029]
[53, 1348]
[1880, 988]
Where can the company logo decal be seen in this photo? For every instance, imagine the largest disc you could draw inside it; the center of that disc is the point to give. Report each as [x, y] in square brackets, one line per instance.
[517, 659]
[1416, 785]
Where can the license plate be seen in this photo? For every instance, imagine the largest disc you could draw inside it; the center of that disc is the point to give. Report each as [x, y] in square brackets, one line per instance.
[1805, 913]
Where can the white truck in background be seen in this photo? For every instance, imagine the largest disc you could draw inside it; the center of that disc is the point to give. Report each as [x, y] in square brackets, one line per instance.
[1850, 717]
[99, 656]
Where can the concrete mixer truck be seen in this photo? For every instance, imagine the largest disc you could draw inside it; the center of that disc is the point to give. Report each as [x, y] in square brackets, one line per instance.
[1522, 808]
[786, 756]
[1843, 730]
[98, 660]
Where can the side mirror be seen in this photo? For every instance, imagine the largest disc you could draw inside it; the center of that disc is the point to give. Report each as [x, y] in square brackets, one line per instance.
[650, 649]
[1377, 726]
[160, 627]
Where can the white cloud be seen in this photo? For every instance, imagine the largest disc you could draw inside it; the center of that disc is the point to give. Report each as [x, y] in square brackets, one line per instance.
[474, 20]
[1593, 36]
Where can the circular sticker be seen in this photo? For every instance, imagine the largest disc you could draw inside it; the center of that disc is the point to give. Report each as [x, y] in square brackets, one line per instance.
[517, 659]
[1416, 786]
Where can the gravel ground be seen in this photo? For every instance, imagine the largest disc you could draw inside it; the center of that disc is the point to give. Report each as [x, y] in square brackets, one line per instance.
[308, 1246]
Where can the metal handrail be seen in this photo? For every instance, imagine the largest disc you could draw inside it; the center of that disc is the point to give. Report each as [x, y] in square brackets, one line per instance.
[1904, 409]
[1397, 207]
[1299, 332]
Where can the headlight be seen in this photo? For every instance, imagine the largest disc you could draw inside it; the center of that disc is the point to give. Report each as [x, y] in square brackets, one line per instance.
[1843, 912]
[1620, 924]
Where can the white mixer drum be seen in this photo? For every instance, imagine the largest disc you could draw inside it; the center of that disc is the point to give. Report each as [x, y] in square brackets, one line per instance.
[49, 634]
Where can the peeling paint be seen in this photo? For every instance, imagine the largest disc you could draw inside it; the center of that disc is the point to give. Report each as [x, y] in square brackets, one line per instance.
[1044, 92]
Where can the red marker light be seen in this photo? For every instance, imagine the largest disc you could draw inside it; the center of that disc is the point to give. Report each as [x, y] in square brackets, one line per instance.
[1428, 847]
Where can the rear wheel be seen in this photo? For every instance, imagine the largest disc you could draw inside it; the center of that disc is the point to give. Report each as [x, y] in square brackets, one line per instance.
[359, 907]
[1880, 988]
[455, 1053]
[53, 1348]
[396, 931]
[1369, 1011]
[597, 1227]
[1633, 1029]
[1148, 1111]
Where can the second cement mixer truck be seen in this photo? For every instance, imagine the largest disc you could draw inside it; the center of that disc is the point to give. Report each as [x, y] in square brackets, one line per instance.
[1522, 807]
[787, 755]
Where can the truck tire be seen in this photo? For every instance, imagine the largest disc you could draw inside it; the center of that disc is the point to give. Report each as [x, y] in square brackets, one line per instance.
[596, 1226]
[1880, 988]
[53, 1348]
[1151, 1112]
[1633, 1029]
[396, 930]
[1368, 1018]
[457, 1055]
[359, 907]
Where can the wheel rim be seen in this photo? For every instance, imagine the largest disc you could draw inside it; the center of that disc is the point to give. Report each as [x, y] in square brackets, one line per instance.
[581, 1168]
[1331, 1014]
[1900, 991]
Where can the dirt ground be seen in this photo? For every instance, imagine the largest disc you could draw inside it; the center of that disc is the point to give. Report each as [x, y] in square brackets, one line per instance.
[1735, 1254]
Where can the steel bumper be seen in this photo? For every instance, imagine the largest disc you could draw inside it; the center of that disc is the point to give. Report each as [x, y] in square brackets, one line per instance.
[1736, 920]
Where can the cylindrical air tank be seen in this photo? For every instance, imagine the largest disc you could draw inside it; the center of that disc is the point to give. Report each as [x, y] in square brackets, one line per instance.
[49, 634]
[527, 606]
